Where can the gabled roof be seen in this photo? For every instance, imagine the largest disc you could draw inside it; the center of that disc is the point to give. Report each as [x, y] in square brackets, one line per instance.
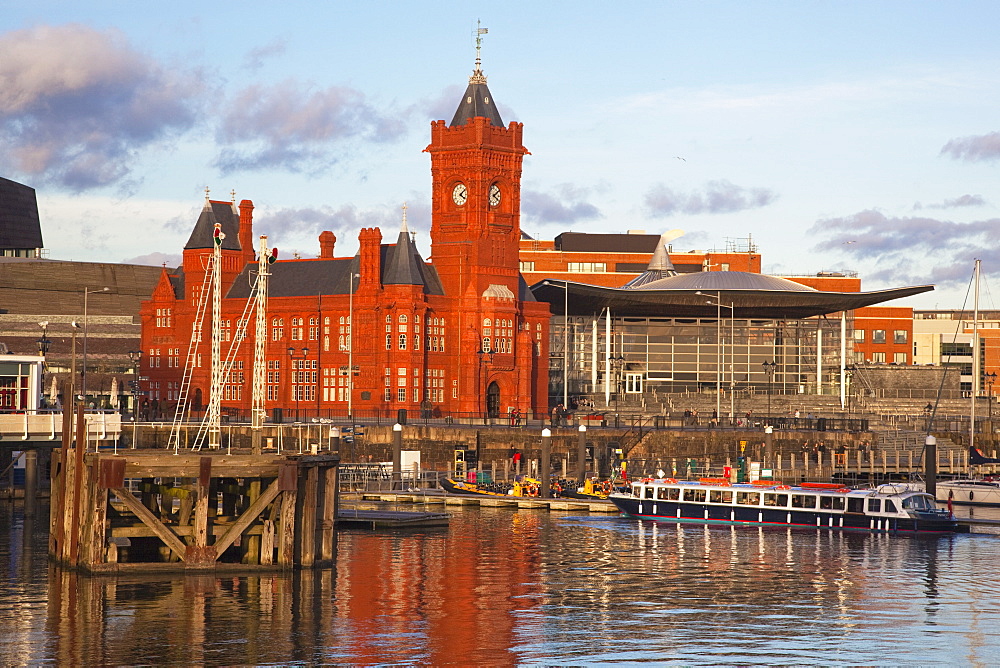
[204, 230]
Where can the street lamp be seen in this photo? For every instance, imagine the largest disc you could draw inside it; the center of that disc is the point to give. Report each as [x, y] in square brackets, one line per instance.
[135, 356]
[83, 372]
[350, 349]
[990, 379]
[619, 363]
[720, 352]
[297, 376]
[769, 370]
[43, 349]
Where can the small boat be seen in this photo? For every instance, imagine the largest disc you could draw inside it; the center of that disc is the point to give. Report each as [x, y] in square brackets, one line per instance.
[974, 490]
[590, 489]
[815, 505]
[978, 491]
[459, 487]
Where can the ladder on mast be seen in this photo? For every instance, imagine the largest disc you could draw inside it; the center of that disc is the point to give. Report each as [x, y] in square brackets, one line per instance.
[189, 363]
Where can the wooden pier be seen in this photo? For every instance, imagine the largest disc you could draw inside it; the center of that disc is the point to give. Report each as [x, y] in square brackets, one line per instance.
[143, 510]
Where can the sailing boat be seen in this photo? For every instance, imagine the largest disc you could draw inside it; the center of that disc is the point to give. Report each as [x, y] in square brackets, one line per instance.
[980, 490]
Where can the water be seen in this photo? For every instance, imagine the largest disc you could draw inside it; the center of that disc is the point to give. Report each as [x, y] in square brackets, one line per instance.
[501, 587]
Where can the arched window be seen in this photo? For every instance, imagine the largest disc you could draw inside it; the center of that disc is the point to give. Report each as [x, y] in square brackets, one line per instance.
[388, 318]
[402, 341]
[341, 320]
[486, 344]
[487, 322]
[402, 317]
[388, 341]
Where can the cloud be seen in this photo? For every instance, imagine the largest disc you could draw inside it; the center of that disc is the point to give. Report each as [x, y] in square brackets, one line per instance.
[896, 244]
[255, 58]
[964, 200]
[78, 105]
[155, 259]
[716, 197]
[288, 126]
[567, 205]
[344, 221]
[976, 148]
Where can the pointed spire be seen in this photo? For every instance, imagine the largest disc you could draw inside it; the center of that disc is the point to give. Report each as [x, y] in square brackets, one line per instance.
[208, 202]
[477, 74]
[402, 227]
[232, 196]
[477, 100]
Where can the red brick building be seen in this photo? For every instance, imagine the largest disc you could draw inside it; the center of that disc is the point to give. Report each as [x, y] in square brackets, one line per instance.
[459, 335]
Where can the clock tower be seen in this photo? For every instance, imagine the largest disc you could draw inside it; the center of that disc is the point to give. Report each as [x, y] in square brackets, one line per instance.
[476, 201]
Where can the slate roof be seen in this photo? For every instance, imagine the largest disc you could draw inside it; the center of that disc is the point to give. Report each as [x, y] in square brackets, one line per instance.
[477, 101]
[401, 265]
[19, 224]
[204, 229]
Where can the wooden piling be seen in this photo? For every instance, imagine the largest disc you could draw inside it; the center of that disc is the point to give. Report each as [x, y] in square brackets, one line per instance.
[240, 512]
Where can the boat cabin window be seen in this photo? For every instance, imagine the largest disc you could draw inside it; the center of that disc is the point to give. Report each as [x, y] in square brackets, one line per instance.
[648, 494]
[721, 496]
[890, 506]
[637, 490]
[673, 493]
[832, 502]
[874, 505]
[803, 501]
[696, 495]
[855, 505]
[772, 499]
[748, 498]
[661, 493]
[918, 502]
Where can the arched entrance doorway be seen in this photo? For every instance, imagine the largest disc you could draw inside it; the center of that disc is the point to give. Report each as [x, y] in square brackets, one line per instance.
[493, 400]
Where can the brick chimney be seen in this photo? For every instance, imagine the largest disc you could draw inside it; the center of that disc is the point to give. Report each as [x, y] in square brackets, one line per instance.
[370, 240]
[246, 230]
[327, 240]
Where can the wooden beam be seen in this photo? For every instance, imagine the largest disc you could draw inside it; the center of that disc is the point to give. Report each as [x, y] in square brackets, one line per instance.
[252, 513]
[169, 538]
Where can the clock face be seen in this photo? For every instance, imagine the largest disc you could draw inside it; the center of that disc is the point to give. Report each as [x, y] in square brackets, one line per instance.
[460, 194]
[494, 195]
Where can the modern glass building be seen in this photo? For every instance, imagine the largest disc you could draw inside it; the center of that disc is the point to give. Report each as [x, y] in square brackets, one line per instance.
[721, 331]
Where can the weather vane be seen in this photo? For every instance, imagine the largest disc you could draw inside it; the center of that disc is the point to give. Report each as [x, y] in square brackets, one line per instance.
[480, 31]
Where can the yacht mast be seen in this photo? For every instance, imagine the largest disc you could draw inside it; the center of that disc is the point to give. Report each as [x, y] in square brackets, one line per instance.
[975, 358]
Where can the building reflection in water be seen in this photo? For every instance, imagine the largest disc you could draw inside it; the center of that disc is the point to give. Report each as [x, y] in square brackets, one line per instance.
[501, 587]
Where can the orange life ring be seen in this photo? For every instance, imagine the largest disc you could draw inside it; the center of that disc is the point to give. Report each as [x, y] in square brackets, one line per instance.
[532, 490]
[606, 487]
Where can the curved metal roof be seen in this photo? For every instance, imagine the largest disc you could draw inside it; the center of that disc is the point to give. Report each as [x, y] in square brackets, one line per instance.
[725, 280]
[770, 299]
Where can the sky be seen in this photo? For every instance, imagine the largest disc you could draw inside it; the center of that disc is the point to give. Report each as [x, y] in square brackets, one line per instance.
[837, 136]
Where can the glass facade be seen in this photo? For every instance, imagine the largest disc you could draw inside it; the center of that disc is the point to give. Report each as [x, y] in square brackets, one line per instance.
[636, 354]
